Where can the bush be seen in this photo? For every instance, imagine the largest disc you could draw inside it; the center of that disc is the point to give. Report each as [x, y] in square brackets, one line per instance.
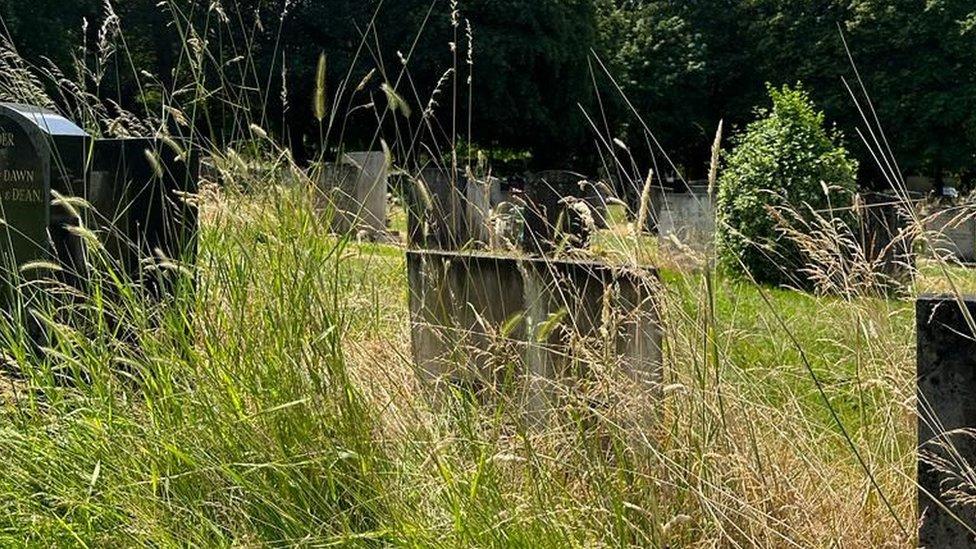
[782, 162]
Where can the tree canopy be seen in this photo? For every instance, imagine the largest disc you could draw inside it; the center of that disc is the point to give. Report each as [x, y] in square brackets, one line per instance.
[536, 66]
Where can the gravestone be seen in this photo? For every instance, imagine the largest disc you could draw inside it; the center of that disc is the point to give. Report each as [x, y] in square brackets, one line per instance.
[40, 152]
[561, 208]
[953, 232]
[946, 368]
[448, 212]
[459, 212]
[474, 314]
[139, 188]
[885, 236]
[688, 216]
[356, 190]
[482, 197]
[439, 209]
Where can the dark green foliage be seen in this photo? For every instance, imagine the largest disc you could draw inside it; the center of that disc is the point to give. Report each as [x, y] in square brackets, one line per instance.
[527, 82]
[51, 28]
[658, 58]
[918, 59]
[683, 65]
[783, 161]
[530, 78]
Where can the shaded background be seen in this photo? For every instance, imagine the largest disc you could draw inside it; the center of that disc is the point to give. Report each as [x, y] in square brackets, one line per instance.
[683, 64]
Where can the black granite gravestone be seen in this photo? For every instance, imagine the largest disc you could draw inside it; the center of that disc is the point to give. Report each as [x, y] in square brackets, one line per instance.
[139, 189]
[40, 152]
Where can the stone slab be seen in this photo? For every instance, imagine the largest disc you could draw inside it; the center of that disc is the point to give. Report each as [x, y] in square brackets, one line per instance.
[953, 232]
[451, 212]
[946, 369]
[356, 191]
[687, 216]
[480, 319]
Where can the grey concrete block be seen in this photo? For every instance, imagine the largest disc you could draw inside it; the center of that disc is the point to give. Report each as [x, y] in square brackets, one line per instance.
[438, 212]
[482, 196]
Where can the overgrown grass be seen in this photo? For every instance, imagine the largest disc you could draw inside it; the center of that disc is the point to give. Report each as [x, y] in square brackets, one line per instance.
[287, 412]
[274, 402]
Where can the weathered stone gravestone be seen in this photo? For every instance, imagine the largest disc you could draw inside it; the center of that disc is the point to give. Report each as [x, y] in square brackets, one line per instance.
[484, 320]
[40, 152]
[561, 209]
[952, 231]
[460, 212]
[688, 216]
[355, 191]
[886, 237]
[141, 190]
[438, 206]
[947, 420]
[483, 196]
[451, 212]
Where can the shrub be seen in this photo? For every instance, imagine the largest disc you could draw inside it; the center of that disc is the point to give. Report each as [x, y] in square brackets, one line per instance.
[782, 162]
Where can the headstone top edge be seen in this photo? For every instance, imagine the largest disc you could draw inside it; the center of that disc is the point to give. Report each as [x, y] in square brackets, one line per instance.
[969, 299]
[44, 120]
[479, 255]
[25, 108]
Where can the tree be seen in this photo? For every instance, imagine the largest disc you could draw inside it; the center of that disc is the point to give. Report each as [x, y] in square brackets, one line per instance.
[658, 60]
[784, 160]
[914, 57]
[917, 59]
[47, 28]
[529, 73]
[684, 64]
[527, 77]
